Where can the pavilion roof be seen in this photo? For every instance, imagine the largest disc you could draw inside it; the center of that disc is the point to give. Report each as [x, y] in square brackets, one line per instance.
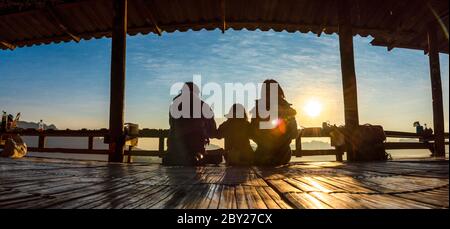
[393, 24]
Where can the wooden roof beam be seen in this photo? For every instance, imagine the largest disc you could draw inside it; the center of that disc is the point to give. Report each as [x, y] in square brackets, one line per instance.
[377, 33]
[399, 15]
[439, 18]
[223, 14]
[397, 36]
[328, 11]
[150, 19]
[7, 45]
[319, 32]
[376, 42]
[58, 21]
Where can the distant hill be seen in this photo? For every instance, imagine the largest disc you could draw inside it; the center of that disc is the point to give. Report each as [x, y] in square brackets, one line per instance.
[34, 125]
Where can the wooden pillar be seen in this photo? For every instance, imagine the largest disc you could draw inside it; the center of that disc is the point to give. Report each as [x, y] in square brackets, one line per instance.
[90, 142]
[41, 141]
[298, 144]
[339, 153]
[161, 144]
[436, 87]
[117, 97]
[348, 72]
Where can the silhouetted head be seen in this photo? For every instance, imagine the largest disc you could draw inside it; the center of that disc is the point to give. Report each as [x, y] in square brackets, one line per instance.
[193, 89]
[237, 111]
[266, 87]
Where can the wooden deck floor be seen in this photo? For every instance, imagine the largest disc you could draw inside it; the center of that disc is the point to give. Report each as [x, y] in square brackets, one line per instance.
[51, 183]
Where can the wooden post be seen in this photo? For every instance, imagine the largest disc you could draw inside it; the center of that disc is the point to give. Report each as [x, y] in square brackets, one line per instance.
[339, 153]
[117, 97]
[90, 142]
[348, 72]
[41, 141]
[161, 144]
[298, 144]
[436, 87]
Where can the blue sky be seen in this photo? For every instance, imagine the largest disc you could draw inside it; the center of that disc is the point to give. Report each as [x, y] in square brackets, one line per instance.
[68, 84]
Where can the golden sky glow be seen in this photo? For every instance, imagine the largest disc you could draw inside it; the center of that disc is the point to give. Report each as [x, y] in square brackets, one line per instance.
[312, 108]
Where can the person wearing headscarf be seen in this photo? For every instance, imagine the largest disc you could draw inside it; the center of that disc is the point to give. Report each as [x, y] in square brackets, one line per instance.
[273, 135]
[191, 125]
[237, 133]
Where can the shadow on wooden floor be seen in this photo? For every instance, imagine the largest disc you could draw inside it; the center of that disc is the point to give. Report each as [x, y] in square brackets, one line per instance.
[53, 183]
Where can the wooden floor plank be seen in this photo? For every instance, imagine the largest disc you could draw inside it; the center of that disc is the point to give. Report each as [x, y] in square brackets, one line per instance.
[241, 197]
[155, 198]
[332, 201]
[254, 200]
[282, 186]
[176, 199]
[197, 198]
[112, 198]
[306, 200]
[96, 188]
[54, 183]
[348, 184]
[215, 199]
[267, 199]
[136, 200]
[277, 198]
[227, 198]
[205, 200]
[389, 202]
[435, 198]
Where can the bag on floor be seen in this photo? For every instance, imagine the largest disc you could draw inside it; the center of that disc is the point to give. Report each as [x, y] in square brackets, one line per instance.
[368, 143]
[14, 147]
[214, 157]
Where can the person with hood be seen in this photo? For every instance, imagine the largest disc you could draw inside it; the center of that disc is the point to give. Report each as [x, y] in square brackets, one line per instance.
[273, 135]
[191, 125]
[237, 133]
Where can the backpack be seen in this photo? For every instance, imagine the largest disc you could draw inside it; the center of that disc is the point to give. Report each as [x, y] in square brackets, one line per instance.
[368, 143]
[14, 147]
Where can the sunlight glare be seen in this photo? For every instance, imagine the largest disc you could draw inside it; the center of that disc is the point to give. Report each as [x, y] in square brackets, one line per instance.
[313, 108]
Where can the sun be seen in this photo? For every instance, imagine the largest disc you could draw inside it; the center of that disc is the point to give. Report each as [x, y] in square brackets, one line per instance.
[313, 108]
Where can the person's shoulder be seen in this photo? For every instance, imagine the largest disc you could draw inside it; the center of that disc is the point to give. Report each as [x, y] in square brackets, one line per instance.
[176, 97]
[224, 124]
[254, 111]
[286, 108]
[246, 126]
[291, 111]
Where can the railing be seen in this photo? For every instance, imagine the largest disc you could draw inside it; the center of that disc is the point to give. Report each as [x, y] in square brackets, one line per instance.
[90, 134]
[422, 143]
[298, 152]
[162, 135]
[315, 132]
[42, 135]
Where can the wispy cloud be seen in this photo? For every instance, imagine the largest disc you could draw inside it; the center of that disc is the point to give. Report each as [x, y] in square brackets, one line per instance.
[391, 85]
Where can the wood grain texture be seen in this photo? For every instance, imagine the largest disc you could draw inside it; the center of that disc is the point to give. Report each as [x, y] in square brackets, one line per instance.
[55, 183]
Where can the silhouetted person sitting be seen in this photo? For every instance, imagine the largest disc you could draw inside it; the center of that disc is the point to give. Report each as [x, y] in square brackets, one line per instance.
[273, 135]
[237, 132]
[191, 125]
